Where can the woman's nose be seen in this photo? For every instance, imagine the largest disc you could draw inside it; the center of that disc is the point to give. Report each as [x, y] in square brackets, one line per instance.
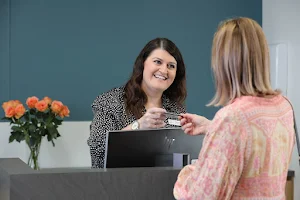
[164, 68]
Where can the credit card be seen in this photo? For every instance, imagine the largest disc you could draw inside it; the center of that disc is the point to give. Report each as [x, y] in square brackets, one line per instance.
[174, 122]
[172, 115]
[173, 118]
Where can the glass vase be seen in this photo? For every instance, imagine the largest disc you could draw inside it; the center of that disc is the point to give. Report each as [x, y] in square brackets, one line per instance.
[33, 160]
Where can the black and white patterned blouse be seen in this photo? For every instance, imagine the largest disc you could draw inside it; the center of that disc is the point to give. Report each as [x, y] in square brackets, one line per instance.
[110, 114]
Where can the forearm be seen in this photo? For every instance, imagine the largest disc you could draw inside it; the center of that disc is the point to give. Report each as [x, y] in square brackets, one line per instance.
[97, 156]
[179, 188]
[127, 128]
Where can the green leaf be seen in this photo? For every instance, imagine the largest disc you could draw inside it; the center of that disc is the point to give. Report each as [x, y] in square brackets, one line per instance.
[32, 128]
[16, 128]
[12, 137]
[43, 132]
[39, 115]
[34, 121]
[57, 121]
[18, 136]
[46, 117]
[49, 137]
[52, 133]
[6, 118]
[32, 111]
[51, 128]
[26, 116]
[26, 125]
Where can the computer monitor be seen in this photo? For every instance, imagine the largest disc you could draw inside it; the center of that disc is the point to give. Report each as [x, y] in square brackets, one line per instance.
[149, 148]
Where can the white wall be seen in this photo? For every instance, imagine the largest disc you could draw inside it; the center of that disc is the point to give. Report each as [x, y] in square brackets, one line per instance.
[281, 23]
[71, 149]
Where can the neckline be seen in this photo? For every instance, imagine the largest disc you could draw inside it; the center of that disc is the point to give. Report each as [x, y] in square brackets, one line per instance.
[258, 99]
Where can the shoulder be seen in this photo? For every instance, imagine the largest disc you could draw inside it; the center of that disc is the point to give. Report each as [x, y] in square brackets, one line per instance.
[229, 117]
[113, 98]
[231, 111]
[249, 105]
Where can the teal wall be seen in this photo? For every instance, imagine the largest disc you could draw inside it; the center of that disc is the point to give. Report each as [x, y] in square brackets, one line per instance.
[73, 50]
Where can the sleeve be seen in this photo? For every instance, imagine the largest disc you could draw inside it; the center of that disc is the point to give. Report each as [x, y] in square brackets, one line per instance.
[219, 165]
[103, 121]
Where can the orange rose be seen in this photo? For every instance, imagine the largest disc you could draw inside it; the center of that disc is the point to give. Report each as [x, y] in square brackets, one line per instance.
[15, 103]
[48, 100]
[56, 106]
[9, 112]
[5, 105]
[64, 112]
[19, 111]
[12, 103]
[41, 105]
[31, 101]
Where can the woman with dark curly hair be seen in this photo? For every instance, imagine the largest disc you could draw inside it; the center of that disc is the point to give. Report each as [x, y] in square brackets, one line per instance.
[157, 85]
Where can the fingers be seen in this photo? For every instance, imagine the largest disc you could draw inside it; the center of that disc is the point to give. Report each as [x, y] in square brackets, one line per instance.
[188, 131]
[159, 125]
[156, 113]
[183, 121]
[187, 125]
[187, 115]
[153, 118]
[157, 116]
[187, 128]
[155, 123]
[156, 110]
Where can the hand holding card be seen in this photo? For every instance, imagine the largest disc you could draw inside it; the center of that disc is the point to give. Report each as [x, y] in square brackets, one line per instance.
[153, 118]
[193, 124]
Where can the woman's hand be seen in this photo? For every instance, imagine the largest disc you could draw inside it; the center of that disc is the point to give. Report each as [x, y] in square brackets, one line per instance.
[193, 124]
[153, 118]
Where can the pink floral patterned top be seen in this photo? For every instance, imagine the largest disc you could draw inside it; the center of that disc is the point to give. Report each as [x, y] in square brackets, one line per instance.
[245, 154]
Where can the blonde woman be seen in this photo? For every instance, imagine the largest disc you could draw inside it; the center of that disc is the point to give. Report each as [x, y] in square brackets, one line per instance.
[249, 142]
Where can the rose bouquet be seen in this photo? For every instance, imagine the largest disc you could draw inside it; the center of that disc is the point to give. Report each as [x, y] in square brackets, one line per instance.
[41, 119]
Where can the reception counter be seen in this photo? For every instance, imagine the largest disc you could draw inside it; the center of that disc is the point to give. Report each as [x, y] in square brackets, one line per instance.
[19, 182]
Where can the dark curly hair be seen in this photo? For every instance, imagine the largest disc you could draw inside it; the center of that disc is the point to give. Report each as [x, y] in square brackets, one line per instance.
[135, 97]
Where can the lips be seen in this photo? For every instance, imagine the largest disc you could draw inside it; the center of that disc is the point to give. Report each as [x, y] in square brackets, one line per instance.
[161, 77]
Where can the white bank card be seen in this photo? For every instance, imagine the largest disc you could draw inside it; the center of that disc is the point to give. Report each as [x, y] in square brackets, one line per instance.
[173, 119]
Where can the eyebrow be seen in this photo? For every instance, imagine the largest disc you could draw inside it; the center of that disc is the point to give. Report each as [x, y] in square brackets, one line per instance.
[162, 59]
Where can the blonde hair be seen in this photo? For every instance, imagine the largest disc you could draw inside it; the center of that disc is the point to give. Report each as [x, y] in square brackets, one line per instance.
[240, 61]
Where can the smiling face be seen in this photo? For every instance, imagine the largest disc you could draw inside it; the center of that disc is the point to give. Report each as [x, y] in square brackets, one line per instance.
[159, 71]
